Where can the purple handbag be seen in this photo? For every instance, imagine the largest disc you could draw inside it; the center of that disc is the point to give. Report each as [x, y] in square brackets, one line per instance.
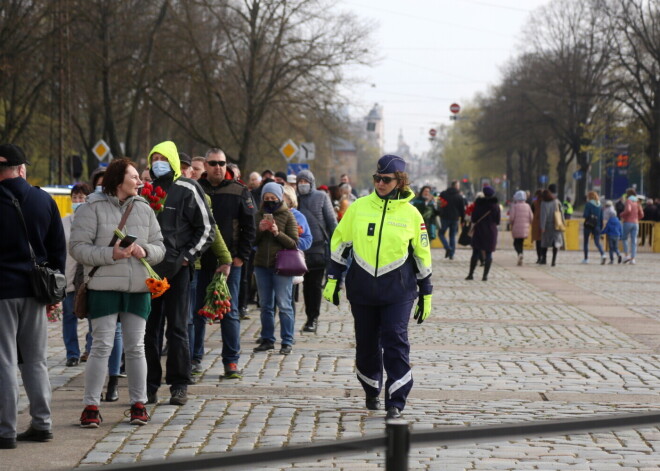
[290, 262]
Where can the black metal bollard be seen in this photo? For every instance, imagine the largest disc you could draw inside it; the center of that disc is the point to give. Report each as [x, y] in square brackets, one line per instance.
[398, 445]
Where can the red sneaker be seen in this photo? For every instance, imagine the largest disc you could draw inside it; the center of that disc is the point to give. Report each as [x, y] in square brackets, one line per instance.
[91, 417]
[139, 414]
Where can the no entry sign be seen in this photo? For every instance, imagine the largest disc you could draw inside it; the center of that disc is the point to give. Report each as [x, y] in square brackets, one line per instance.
[455, 108]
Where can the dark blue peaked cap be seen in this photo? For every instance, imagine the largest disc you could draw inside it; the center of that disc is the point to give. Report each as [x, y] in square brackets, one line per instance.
[391, 164]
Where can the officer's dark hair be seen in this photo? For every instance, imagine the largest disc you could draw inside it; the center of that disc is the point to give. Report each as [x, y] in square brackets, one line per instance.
[114, 175]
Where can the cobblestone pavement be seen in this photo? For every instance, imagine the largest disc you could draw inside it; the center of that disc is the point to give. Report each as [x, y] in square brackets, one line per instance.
[532, 343]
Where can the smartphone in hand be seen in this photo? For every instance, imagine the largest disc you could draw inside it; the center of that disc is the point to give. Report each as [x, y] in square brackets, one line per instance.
[126, 241]
[268, 217]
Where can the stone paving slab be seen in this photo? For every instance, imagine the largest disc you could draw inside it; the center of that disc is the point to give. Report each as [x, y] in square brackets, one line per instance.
[532, 343]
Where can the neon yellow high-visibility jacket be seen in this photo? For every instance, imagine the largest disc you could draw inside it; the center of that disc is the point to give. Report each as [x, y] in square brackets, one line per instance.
[390, 247]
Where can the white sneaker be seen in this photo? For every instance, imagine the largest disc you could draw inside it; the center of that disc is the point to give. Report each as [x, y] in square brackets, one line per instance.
[626, 260]
[632, 261]
[520, 260]
[603, 259]
[585, 261]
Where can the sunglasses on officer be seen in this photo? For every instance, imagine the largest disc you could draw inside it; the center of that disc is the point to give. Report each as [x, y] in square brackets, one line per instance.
[215, 163]
[386, 180]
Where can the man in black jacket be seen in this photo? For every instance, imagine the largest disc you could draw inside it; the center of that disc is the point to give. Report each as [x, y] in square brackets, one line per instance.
[234, 209]
[23, 322]
[187, 227]
[452, 209]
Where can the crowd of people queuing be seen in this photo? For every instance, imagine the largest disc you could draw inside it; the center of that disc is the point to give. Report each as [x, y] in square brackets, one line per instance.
[212, 222]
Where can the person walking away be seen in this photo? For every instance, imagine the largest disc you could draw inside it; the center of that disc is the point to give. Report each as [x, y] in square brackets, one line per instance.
[234, 210]
[187, 227]
[613, 230]
[79, 193]
[117, 289]
[277, 230]
[521, 218]
[592, 226]
[346, 198]
[485, 218]
[452, 209]
[631, 215]
[536, 225]
[425, 204]
[392, 269]
[23, 323]
[550, 235]
[320, 215]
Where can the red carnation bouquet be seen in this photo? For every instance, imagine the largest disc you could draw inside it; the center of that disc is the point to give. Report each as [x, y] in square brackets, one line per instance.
[154, 196]
[217, 301]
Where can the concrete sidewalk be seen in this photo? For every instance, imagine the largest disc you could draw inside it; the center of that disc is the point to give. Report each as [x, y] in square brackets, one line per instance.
[532, 343]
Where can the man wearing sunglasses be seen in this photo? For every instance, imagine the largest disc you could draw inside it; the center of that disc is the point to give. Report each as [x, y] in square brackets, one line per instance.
[391, 269]
[233, 209]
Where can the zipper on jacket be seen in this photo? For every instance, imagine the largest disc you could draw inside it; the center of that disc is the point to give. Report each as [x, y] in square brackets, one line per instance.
[380, 235]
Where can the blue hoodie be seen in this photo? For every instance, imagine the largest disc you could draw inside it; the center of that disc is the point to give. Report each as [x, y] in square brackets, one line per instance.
[613, 228]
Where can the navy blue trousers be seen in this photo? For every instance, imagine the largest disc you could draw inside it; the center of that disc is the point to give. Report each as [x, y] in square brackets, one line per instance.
[381, 335]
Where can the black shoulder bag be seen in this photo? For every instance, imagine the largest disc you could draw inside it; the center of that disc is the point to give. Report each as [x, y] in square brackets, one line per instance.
[48, 285]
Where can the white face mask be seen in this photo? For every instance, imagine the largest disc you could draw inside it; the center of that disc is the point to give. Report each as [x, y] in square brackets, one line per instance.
[98, 189]
[161, 168]
[304, 188]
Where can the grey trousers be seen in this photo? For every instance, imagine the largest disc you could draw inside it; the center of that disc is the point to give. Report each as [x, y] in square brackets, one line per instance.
[23, 342]
[103, 333]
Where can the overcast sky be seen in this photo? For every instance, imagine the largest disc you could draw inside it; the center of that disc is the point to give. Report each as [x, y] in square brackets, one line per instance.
[434, 53]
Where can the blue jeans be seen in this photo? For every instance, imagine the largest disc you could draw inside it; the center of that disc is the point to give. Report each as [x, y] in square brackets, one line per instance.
[230, 323]
[70, 327]
[613, 243]
[452, 225]
[275, 289]
[596, 235]
[630, 229]
[114, 362]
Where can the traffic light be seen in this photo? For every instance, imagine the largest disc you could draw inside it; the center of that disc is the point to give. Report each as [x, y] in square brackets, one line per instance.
[465, 180]
[622, 160]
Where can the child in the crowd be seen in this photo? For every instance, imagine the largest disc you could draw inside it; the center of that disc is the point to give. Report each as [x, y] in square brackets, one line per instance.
[613, 230]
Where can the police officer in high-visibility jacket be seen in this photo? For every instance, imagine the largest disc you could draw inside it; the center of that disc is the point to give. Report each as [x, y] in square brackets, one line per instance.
[390, 269]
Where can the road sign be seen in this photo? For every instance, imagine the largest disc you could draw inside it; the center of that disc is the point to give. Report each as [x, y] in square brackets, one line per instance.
[543, 179]
[289, 150]
[577, 175]
[293, 169]
[307, 151]
[432, 132]
[455, 108]
[101, 149]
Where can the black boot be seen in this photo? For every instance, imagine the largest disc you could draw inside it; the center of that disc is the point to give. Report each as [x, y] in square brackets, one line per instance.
[112, 394]
[486, 270]
[473, 265]
[544, 255]
[554, 256]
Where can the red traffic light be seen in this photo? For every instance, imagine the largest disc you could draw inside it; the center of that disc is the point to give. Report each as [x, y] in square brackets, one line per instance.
[622, 160]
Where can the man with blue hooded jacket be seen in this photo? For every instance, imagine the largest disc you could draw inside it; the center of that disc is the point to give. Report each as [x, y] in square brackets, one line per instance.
[187, 226]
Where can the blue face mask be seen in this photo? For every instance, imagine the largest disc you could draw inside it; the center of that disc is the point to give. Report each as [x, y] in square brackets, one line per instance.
[98, 189]
[161, 168]
[75, 206]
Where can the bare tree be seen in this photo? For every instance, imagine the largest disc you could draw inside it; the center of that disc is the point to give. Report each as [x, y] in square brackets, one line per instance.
[252, 59]
[637, 73]
[574, 47]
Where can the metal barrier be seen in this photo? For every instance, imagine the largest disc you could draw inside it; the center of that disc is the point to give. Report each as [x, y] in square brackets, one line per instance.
[397, 441]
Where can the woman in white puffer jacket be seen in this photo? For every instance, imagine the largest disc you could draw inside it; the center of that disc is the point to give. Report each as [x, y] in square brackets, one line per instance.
[117, 291]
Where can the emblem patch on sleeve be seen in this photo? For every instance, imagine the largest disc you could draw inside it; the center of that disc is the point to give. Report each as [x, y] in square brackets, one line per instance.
[424, 239]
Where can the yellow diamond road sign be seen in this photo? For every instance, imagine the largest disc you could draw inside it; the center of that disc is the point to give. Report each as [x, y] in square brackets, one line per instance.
[101, 149]
[289, 149]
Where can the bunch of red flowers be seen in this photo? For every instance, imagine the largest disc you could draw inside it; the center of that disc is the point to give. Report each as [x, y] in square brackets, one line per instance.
[217, 301]
[154, 196]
